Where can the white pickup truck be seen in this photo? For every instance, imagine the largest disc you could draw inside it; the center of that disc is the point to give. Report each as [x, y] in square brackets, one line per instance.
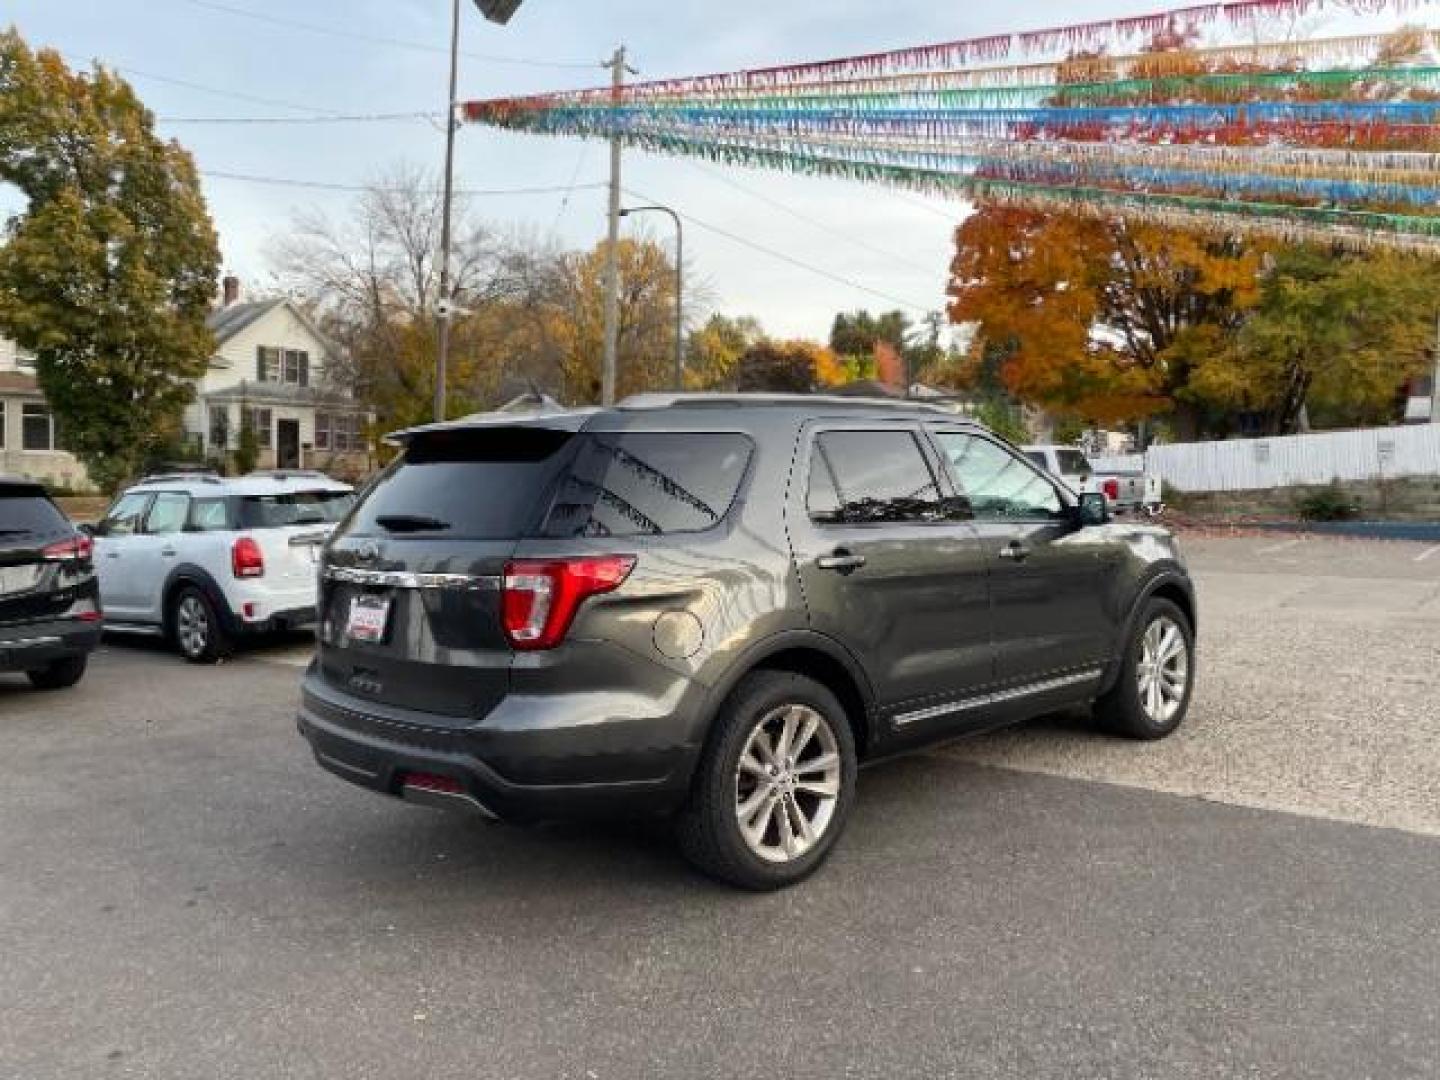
[1126, 492]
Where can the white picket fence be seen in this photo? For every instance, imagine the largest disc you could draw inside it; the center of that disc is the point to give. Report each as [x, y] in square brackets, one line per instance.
[1251, 464]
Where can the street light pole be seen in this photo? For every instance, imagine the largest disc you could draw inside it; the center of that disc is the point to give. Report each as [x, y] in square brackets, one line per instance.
[443, 310]
[679, 285]
[497, 11]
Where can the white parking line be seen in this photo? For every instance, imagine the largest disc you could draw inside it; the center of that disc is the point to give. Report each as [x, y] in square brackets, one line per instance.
[1424, 555]
[1275, 549]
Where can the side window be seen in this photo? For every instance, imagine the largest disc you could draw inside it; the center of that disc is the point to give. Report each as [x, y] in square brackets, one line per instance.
[209, 515]
[1001, 486]
[649, 484]
[861, 477]
[124, 517]
[167, 513]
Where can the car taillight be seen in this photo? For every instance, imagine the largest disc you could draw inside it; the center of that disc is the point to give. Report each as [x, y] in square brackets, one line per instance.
[541, 597]
[1111, 489]
[246, 559]
[78, 548]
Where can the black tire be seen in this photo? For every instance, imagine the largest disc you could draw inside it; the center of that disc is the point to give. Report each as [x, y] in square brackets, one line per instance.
[60, 675]
[195, 627]
[1122, 710]
[709, 829]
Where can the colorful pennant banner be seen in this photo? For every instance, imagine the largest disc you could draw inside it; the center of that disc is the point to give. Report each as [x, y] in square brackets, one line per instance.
[1335, 139]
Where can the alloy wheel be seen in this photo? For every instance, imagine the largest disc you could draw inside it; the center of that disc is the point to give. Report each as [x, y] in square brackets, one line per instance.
[1163, 674]
[787, 784]
[192, 626]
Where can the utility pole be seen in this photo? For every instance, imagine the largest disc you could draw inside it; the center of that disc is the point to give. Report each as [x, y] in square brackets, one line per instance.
[618, 69]
[1435, 379]
[443, 307]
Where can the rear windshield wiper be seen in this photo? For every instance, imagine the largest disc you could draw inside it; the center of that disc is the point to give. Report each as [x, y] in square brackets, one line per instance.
[410, 523]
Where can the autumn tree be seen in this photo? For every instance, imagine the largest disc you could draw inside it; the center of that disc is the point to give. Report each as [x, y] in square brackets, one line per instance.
[786, 367]
[1103, 319]
[713, 351]
[371, 279]
[108, 273]
[1335, 335]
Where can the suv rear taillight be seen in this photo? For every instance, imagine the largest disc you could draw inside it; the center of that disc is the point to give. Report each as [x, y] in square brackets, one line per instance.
[78, 548]
[540, 598]
[1111, 488]
[246, 559]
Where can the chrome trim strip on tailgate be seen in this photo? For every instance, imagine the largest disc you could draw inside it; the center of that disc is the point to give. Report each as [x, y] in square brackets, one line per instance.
[403, 579]
[28, 643]
[998, 697]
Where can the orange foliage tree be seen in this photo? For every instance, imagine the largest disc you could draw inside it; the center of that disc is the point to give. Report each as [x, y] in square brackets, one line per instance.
[1099, 319]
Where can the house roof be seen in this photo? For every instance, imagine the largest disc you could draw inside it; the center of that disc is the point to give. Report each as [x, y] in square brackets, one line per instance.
[18, 382]
[226, 322]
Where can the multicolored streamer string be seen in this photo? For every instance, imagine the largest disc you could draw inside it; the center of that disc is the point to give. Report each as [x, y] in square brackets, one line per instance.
[1334, 139]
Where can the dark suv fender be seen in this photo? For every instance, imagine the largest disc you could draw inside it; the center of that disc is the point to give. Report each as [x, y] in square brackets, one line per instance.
[808, 653]
[1172, 581]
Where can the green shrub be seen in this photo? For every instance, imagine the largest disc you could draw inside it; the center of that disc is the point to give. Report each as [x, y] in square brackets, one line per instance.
[1329, 503]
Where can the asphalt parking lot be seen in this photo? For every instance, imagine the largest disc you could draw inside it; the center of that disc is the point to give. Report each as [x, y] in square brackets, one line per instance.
[185, 894]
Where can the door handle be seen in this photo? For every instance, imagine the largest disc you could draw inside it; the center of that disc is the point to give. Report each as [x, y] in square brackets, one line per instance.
[168, 552]
[1015, 551]
[112, 554]
[842, 561]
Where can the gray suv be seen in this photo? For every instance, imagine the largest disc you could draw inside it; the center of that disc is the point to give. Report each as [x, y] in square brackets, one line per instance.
[715, 608]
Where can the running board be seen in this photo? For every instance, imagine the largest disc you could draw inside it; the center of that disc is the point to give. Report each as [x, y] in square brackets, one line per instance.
[145, 629]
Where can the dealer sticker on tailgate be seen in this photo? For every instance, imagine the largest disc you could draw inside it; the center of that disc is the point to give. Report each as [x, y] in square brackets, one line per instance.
[368, 618]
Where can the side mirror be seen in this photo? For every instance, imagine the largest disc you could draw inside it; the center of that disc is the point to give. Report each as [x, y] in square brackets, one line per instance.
[1094, 509]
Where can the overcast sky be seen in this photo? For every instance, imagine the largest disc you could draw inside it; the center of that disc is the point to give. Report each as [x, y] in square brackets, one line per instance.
[895, 244]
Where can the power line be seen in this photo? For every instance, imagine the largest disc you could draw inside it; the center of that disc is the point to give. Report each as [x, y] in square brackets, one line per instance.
[812, 222]
[338, 118]
[320, 185]
[375, 39]
[838, 279]
[254, 99]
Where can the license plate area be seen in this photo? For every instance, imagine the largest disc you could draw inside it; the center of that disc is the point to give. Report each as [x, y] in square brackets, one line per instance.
[369, 618]
[18, 579]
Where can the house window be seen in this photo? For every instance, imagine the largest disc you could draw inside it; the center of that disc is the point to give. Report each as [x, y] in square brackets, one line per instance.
[260, 422]
[37, 427]
[219, 426]
[344, 433]
[276, 365]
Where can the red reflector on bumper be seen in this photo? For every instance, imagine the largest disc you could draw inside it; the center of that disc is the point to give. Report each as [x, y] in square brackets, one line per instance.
[430, 782]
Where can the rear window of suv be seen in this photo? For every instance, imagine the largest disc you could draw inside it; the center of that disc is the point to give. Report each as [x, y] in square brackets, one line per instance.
[475, 485]
[649, 484]
[26, 512]
[504, 483]
[294, 508]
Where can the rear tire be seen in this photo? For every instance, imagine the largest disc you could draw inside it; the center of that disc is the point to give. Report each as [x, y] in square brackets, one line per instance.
[782, 759]
[195, 628]
[1157, 677]
[61, 675]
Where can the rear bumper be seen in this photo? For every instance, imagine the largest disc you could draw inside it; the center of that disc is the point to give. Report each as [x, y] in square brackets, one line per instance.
[275, 622]
[549, 773]
[31, 646]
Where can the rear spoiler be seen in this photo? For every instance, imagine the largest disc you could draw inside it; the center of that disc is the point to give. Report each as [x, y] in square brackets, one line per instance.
[570, 420]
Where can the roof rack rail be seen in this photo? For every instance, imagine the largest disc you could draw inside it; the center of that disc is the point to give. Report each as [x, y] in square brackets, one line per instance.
[200, 474]
[288, 474]
[720, 399]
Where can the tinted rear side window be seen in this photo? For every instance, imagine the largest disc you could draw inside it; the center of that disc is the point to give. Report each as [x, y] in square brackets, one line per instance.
[649, 484]
[294, 508]
[477, 485]
[25, 513]
[874, 476]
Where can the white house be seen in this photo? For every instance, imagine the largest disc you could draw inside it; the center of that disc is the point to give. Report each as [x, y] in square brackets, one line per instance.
[270, 370]
[28, 445]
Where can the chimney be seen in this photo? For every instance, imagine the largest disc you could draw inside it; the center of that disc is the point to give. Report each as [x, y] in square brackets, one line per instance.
[230, 287]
